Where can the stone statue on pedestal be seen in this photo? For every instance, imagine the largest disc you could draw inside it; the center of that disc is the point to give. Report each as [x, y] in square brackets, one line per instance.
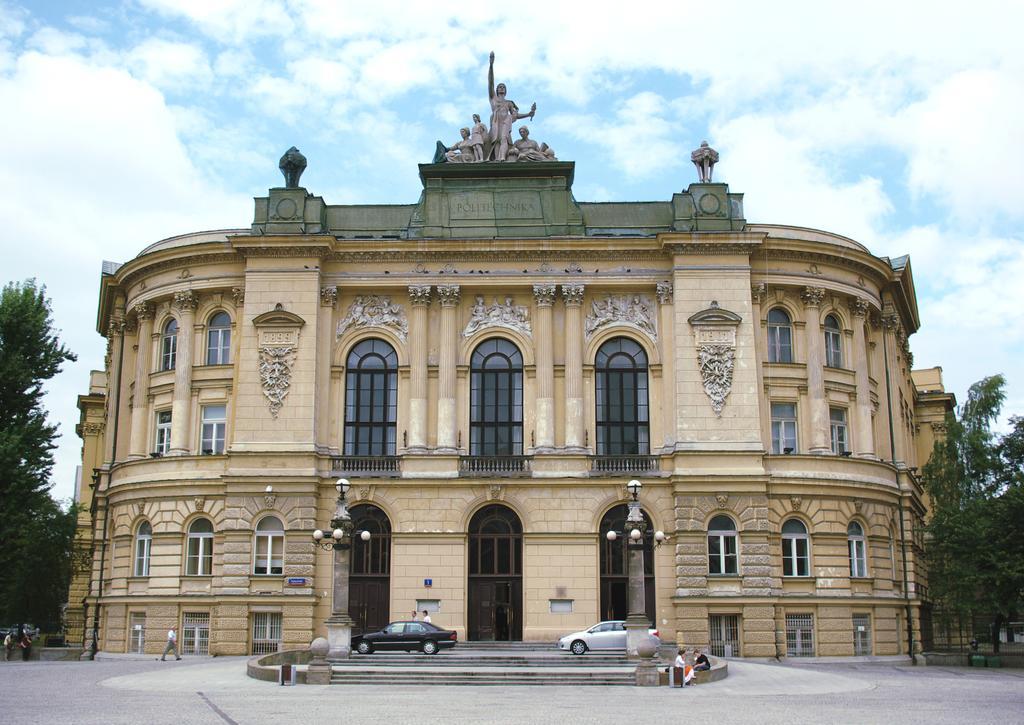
[504, 112]
[292, 164]
[704, 158]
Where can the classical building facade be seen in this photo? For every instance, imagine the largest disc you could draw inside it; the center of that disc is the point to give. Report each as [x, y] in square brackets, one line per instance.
[489, 367]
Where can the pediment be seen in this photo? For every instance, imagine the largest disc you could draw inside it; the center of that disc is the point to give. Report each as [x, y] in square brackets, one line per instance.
[715, 315]
[278, 317]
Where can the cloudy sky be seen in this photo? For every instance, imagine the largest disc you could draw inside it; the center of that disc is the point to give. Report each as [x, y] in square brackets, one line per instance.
[896, 123]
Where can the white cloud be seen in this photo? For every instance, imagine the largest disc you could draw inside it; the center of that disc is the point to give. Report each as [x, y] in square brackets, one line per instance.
[171, 65]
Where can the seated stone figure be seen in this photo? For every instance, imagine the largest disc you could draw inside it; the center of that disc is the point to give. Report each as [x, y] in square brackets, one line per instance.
[461, 152]
[526, 149]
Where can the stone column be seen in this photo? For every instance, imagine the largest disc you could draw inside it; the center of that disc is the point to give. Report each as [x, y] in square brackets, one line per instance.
[637, 623]
[892, 330]
[814, 342]
[140, 397]
[574, 427]
[324, 353]
[181, 422]
[419, 298]
[115, 359]
[447, 423]
[758, 292]
[667, 339]
[544, 295]
[864, 439]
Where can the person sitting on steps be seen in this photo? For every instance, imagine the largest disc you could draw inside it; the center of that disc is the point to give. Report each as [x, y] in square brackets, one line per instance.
[700, 662]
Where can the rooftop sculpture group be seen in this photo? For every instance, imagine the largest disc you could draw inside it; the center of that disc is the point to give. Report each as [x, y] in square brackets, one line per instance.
[480, 143]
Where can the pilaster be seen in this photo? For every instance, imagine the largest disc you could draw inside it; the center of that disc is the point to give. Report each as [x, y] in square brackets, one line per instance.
[186, 303]
[140, 393]
[814, 343]
[419, 299]
[574, 425]
[864, 439]
[544, 296]
[446, 376]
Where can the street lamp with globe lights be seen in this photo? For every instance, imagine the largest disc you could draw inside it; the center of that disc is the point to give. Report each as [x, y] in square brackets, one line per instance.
[635, 527]
[339, 539]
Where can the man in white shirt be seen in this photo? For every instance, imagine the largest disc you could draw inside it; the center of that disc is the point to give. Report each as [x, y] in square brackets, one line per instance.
[426, 617]
[172, 644]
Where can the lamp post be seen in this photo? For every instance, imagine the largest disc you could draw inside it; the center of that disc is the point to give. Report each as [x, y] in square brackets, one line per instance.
[637, 623]
[339, 539]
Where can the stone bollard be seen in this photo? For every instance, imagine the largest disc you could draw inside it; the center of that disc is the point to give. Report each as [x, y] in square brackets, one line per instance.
[646, 669]
[319, 670]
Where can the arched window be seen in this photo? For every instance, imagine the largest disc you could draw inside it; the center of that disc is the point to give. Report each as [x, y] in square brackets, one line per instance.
[169, 345]
[796, 559]
[833, 342]
[858, 552]
[496, 399]
[371, 399]
[269, 546]
[780, 336]
[722, 546]
[622, 400]
[143, 546]
[199, 550]
[218, 340]
[495, 542]
[615, 566]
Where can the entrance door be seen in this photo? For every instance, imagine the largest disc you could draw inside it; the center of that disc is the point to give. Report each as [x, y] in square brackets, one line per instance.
[495, 587]
[615, 567]
[369, 591]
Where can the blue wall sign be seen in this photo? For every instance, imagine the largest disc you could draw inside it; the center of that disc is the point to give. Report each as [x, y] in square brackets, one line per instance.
[428, 582]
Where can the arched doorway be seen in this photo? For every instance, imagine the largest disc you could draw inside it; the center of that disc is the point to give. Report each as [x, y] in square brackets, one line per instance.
[369, 594]
[495, 591]
[615, 570]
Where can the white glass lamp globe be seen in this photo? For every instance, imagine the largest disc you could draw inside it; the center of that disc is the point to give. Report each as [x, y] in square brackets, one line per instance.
[659, 536]
[611, 536]
[634, 487]
[318, 535]
[635, 534]
[342, 485]
[364, 535]
[338, 534]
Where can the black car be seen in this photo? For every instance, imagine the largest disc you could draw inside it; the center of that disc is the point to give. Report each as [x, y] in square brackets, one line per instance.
[408, 636]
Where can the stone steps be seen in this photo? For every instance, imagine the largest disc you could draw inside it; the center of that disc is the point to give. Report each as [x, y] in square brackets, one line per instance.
[479, 677]
[401, 659]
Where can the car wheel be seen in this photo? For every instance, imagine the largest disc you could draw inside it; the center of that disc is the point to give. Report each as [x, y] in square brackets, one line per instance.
[364, 648]
[429, 648]
[578, 647]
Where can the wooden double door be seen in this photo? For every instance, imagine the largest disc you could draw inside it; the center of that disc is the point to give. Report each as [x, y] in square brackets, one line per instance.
[495, 609]
[369, 603]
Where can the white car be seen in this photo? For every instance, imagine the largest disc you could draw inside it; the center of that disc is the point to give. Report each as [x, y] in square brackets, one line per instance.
[602, 636]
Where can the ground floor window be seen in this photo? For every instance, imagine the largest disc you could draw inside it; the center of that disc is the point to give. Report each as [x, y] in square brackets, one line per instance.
[137, 632]
[862, 635]
[195, 633]
[266, 632]
[724, 635]
[800, 635]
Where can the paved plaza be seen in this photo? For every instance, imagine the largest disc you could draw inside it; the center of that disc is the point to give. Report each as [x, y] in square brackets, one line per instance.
[216, 691]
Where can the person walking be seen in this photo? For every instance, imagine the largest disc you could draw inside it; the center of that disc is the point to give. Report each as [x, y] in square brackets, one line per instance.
[172, 644]
[26, 645]
[8, 646]
[426, 616]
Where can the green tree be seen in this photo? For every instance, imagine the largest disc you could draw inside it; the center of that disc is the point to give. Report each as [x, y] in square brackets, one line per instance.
[976, 483]
[36, 533]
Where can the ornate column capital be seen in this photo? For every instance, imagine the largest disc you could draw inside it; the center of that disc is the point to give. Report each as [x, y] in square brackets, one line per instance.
[544, 294]
[143, 311]
[116, 325]
[813, 296]
[238, 294]
[448, 294]
[573, 294]
[891, 321]
[419, 295]
[665, 291]
[859, 306]
[329, 296]
[758, 293]
[186, 301]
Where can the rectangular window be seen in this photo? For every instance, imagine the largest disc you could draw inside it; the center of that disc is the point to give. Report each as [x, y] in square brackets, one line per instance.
[833, 348]
[214, 425]
[722, 557]
[266, 632]
[800, 635]
[269, 554]
[724, 635]
[783, 428]
[795, 559]
[163, 432]
[862, 635]
[195, 633]
[137, 633]
[838, 430]
[199, 557]
[858, 558]
[142, 549]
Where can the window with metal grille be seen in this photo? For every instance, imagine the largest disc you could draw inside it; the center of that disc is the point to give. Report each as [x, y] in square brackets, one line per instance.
[724, 635]
[621, 397]
[266, 632]
[783, 427]
[780, 336]
[862, 635]
[496, 399]
[218, 340]
[833, 343]
[371, 399]
[800, 635]
[137, 632]
[195, 633]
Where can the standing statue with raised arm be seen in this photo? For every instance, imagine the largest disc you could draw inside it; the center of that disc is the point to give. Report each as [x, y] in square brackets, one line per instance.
[504, 112]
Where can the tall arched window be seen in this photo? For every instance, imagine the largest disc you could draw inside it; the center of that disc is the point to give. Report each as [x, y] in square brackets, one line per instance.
[858, 550]
[722, 546]
[780, 336]
[199, 550]
[218, 340]
[143, 546]
[833, 342]
[169, 345]
[496, 399]
[269, 546]
[371, 399]
[796, 559]
[622, 400]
